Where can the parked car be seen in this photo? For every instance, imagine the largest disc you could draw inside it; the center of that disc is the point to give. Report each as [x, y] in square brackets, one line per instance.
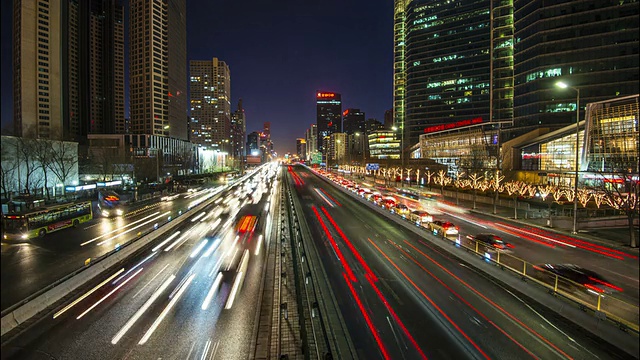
[493, 241]
[443, 228]
[581, 279]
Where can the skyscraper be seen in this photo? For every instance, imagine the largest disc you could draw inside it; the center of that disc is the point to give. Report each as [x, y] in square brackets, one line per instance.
[591, 45]
[388, 119]
[353, 121]
[37, 64]
[238, 132]
[157, 58]
[311, 137]
[210, 104]
[329, 115]
[447, 64]
[78, 69]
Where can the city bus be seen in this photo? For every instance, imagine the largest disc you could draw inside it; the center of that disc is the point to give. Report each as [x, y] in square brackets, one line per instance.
[109, 203]
[38, 222]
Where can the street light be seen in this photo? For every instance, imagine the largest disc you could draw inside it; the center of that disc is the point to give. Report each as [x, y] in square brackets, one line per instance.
[563, 85]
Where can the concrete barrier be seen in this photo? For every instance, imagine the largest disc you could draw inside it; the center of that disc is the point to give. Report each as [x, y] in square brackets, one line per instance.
[31, 308]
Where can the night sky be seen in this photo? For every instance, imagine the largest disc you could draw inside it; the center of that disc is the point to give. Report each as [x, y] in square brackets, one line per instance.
[279, 54]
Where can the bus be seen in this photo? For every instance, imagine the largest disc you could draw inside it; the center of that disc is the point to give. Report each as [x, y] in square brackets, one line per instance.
[38, 222]
[109, 203]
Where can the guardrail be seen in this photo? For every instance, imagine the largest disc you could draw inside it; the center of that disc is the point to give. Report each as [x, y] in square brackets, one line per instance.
[605, 306]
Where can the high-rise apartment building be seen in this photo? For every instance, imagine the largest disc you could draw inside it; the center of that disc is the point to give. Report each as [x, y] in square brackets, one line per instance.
[399, 75]
[311, 137]
[177, 58]
[301, 148]
[210, 87]
[328, 115]
[72, 52]
[37, 68]
[157, 58]
[353, 121]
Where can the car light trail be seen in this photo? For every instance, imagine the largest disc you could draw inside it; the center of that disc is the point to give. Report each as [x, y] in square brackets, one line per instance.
[212, 248]
[232, 257]
[212, 291]
[166, 310]
[330, 197]
[195, 218]
[141, 225]
[141, 311]
[324, 197]
[350, 245]
[464, 301]
[109, 294]
[111, 232]
[87, 294]
[150, 281]
[133, 268]
[518, 230]
[215, 223]
[197, 250]
[183, 237]
[367, 319]
[395, 316]
[490, 301]
[258, 245]
[346, 266]
[166, 241]
[431, 301]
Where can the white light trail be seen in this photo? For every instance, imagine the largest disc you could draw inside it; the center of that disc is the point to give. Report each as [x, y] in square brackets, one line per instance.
[166, 310]
[212, 248]
[165, 241]
[199, 248]
[198, 216]
[150, 281]
[118, 229]
[130, 270]
[212, 291]
[258, 245]
[215, 223]
[109, 294]
[178, 241]
[143, 224]
[141, 311]
[86, 294]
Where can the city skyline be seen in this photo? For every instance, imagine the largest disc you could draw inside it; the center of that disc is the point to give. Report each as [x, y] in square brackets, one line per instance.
[263, 47]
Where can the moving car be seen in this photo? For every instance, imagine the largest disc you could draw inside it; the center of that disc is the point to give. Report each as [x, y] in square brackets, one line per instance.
[420, 217]
[401, 209]
[443, 228]
[581, 279]
[493, 241]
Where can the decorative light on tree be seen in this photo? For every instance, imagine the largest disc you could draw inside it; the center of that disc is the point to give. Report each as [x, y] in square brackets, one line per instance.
[429, 174]
[598, 198]
[583, 196]
[569, 194]
[409, 170]
[443, 180]
[475, 185]
[497, 188]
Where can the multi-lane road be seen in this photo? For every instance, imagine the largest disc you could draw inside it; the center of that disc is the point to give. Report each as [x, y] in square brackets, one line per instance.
[192, 294]
[32, 265]
[403, 297]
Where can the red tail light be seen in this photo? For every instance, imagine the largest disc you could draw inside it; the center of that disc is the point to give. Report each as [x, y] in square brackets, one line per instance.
[498, 246]
[605, 283]
[594, 288]
[510, 246]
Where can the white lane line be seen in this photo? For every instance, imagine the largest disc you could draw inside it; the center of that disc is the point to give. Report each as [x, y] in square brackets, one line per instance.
[109, 294]
[86, 294]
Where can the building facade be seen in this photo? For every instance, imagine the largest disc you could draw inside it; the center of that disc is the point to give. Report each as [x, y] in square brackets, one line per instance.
[384, 144]
[301, 148]
[238, 135]
[353, 121]
[72, 52]
[157, 58]
[210, 87]
[311, 137]
[328, 115]
[591, 45]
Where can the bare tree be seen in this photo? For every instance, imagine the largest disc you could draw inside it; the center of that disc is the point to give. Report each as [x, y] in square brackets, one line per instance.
[64, 160]
[27, 159]
[8, 167]
[43, 154]
[625, 197]
[475, 184]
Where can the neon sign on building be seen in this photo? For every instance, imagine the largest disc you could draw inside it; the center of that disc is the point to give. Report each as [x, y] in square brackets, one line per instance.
[454, 125]
[322, 95]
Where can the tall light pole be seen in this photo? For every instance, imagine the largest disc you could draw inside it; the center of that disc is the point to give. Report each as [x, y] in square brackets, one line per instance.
[563, 85]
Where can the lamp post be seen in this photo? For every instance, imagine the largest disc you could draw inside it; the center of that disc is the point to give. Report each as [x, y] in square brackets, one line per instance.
[563, 85]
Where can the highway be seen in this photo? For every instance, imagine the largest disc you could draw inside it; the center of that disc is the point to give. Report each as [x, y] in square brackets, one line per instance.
[193, 294]
[404, 298]
[34, 264]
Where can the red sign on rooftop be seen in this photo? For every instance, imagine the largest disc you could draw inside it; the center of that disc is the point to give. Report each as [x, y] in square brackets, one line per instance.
[454, 125]
[326, 95]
